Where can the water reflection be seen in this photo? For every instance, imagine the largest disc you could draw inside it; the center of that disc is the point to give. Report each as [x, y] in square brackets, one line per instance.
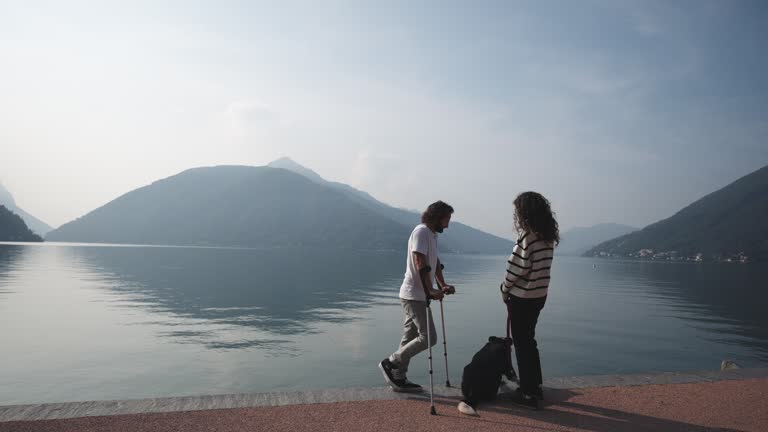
[9, 256]
[95, 322]
[280, 292]
[728, 299]
[725, 301]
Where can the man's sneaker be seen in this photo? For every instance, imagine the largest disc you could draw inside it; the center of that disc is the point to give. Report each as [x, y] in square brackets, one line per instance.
[398, 374]
[528, 401]
[410, 387]
[389, 371]
[396, 378]
[407, 386]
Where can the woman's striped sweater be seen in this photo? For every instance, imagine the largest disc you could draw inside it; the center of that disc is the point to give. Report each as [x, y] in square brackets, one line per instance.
[528, 267]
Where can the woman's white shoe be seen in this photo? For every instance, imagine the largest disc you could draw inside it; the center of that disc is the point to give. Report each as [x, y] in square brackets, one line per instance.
[465, 409]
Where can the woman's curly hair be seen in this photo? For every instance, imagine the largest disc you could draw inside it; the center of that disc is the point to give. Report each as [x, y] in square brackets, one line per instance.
[533, 213]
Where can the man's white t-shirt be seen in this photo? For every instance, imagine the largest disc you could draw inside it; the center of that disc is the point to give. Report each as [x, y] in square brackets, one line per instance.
[424, 241]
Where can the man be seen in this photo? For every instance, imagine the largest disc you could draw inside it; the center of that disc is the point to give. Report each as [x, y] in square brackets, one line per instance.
[423, 266]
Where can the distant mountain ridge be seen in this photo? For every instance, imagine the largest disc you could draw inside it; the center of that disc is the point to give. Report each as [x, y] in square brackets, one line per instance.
[458, 237]
[13, 228]
[728, 224]
[577, 241]
[35, 224]
[283, 204]
[236, 206]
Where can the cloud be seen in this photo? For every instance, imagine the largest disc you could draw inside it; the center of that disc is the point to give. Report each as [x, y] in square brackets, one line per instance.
[382, 171]
[244, 117]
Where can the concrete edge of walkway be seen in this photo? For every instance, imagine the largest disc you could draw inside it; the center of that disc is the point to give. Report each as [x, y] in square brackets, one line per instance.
[50, 411]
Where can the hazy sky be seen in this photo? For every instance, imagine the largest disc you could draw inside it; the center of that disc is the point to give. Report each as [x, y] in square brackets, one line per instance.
[618, 111]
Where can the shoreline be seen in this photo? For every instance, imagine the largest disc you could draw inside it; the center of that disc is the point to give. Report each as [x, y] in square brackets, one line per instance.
[71, 410]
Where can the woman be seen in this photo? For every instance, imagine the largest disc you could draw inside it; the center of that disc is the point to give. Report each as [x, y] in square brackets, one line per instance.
[525, 286]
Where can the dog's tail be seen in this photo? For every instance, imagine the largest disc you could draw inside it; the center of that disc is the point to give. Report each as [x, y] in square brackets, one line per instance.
[467, 409]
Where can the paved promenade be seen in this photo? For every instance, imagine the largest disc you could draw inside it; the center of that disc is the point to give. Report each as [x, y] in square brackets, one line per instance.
[722, 401]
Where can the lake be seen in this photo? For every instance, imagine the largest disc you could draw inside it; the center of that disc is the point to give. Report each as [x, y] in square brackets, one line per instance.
[89, 322]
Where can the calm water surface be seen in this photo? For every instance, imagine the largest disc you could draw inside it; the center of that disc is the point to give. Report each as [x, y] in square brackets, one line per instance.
[85, 322]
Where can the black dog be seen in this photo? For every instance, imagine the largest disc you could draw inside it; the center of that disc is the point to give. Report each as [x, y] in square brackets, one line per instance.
[482, 377]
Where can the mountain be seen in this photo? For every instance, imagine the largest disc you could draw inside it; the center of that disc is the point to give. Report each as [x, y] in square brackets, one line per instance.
[13, 228]
[457, 238]
[236, 206]
[576, 241]
[35, 224]
[290, 165]
[729, 223]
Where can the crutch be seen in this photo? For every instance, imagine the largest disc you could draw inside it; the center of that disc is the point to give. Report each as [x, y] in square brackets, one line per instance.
[431, 381]
[445, 346]
[445, 343]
